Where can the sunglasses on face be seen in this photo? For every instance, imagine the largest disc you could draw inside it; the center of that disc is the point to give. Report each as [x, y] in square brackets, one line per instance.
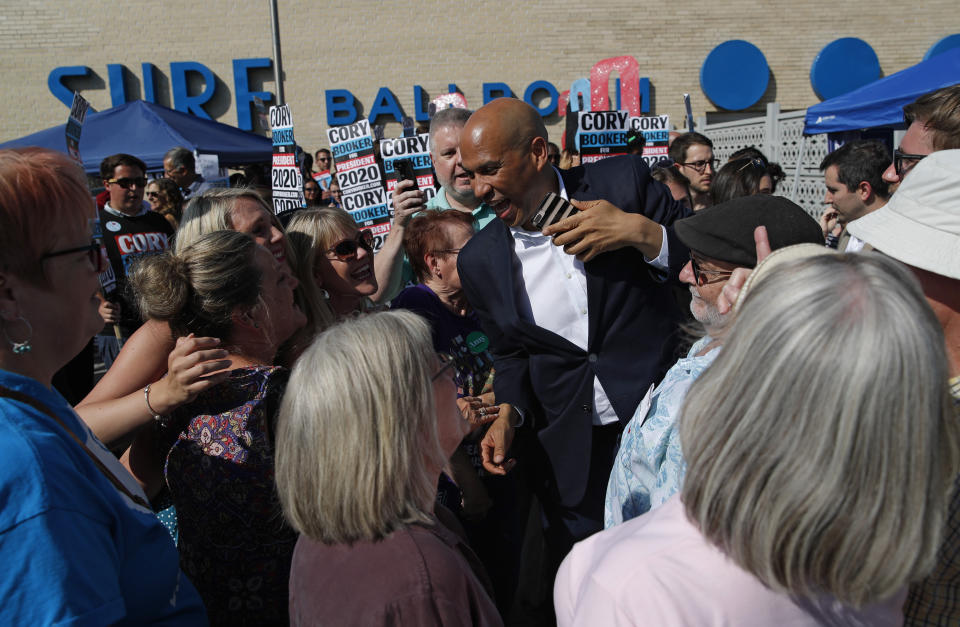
[347, 249]
[898, 162]
[127, 183]
[93, 255]
[699, 274]
[756, 163]
[151, 194]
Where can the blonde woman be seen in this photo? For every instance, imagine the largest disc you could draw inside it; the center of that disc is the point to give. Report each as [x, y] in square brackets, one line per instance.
[164, 370]
[817, 482]
[335, 258]
[362, 438]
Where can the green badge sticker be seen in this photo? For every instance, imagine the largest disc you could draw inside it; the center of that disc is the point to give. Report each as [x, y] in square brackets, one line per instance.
[477, 342]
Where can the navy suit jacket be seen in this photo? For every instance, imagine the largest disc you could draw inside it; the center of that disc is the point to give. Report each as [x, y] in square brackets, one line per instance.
[632, 324]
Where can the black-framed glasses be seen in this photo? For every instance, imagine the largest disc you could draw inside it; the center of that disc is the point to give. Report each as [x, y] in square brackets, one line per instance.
[128, 182]
[152, 194]
[900, 157]
[699, 274]
[446, 363]
[347, 249]
[701, 165]
[93, 255]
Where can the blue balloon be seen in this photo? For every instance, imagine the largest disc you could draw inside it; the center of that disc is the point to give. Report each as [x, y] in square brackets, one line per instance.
[735, 75]
[842, 66]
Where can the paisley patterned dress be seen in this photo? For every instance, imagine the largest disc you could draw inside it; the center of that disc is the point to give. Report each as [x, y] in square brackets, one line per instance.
[234, 543]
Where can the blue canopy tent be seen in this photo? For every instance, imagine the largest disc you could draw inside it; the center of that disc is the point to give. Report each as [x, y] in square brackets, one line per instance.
[880, 104]
[148, 131]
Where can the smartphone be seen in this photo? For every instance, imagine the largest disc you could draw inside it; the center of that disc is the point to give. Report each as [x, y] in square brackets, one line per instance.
[404, 170]
[552, 209]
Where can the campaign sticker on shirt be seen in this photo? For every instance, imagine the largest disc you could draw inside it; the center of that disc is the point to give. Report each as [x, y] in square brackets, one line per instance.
[477, 342]
[113, 226]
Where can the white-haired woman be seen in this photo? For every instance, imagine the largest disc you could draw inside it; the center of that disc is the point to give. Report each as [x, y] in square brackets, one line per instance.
[370, 421]
[817, 481]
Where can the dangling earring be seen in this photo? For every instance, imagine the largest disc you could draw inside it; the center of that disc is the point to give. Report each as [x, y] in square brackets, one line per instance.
[19, 348]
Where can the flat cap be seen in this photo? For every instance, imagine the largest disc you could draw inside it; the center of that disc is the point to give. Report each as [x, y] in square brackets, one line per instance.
[725, 232]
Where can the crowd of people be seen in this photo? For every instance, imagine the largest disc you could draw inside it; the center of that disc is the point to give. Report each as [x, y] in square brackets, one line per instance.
[686, 403]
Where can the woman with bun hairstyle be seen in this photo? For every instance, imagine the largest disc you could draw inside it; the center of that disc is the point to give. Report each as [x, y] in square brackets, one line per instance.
[156, 366]
[214, 454]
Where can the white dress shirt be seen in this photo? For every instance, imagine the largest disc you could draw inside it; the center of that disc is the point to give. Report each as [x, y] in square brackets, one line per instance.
[552, 292]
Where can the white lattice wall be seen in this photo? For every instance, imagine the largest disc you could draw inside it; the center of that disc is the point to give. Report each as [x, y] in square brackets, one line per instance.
[779, 136]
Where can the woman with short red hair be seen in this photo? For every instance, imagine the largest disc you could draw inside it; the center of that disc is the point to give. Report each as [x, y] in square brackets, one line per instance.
[78, 541]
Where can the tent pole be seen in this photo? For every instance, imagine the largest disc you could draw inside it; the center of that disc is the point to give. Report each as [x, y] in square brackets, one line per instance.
[277, 61]
[796, 172]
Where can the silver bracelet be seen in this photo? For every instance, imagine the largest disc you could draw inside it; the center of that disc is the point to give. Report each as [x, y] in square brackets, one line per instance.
[146, 397]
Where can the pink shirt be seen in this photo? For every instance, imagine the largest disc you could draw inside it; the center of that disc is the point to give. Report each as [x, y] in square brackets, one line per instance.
[659, 570]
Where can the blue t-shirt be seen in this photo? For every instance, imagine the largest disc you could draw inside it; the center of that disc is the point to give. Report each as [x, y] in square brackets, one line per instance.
[75, 551]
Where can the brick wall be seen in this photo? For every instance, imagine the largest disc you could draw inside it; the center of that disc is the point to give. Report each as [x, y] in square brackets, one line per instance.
[363, 45]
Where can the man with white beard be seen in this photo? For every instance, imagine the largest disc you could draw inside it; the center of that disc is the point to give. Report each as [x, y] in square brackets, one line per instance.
[649, 466]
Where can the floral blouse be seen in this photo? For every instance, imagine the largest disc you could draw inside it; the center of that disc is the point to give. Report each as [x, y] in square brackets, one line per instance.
[234, 543]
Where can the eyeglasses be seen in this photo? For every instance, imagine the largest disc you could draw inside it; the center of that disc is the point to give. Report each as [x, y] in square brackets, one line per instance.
[127, 183]
[698, 273]
[93, 254]
[900, 157]
[448, 251]
[446, 363]
[151, 194]
[701, 165]
[347, 249]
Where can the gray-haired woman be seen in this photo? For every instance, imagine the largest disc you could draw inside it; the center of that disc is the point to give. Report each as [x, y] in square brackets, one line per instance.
[817, 481]
[369, 420]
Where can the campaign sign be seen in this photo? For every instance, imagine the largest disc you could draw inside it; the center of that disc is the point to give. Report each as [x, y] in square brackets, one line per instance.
[358, 174]
[285, 176]
[656, 130]
[78, 113]
[602, 134]
[416, 149]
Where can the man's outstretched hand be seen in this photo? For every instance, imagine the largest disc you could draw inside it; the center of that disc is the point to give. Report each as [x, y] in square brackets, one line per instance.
[497, 441]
